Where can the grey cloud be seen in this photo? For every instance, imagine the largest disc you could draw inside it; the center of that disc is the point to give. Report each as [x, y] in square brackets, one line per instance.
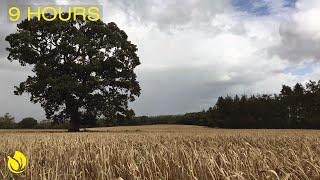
[173, 13]
[19, 106]
[295, 46]
[186, 89]
[299, 32]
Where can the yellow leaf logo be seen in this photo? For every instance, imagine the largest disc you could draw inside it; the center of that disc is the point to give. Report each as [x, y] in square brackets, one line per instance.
[18, 163]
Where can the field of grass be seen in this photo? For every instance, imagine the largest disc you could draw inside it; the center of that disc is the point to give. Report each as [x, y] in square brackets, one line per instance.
[164, 152]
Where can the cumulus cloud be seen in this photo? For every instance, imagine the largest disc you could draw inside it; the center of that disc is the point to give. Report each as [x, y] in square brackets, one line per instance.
[170, 14]
[300, 33]
[187, 69]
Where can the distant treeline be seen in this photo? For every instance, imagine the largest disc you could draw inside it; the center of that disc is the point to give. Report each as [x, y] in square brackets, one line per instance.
[294, 107]
[8, 122]
[203, 118]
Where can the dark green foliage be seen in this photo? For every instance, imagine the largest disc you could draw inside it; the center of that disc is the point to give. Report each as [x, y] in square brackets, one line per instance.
[28, 123]
[297, 107]
[7, 122]
[198, 118]
[83, 69]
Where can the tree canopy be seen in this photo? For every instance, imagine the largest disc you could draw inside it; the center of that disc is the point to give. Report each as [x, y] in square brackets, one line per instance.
[28, 123]
[296, 107]
[81, 68]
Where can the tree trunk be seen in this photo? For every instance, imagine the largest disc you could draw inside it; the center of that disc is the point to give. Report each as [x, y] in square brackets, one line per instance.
[73, 112]
[74, 122]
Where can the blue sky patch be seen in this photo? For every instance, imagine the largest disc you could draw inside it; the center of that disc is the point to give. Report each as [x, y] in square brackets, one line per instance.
[259, 7]
[290, 3]
[300, 70]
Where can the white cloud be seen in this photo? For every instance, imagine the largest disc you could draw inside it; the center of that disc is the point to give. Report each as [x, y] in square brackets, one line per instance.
[301, 33]
[169, 14]
[186, 69]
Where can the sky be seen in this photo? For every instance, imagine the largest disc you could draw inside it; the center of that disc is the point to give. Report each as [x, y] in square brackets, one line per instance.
[193, 51]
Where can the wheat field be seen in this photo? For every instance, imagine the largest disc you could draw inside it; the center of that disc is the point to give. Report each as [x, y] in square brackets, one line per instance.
[164, 152]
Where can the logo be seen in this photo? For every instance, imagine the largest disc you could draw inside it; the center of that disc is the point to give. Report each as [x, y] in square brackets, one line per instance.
[17, 163]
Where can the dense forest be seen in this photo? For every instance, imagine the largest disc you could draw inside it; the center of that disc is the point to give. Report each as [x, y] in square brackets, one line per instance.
[294, 107]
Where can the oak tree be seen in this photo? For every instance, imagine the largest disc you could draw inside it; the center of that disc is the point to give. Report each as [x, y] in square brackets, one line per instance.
[81, 68]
